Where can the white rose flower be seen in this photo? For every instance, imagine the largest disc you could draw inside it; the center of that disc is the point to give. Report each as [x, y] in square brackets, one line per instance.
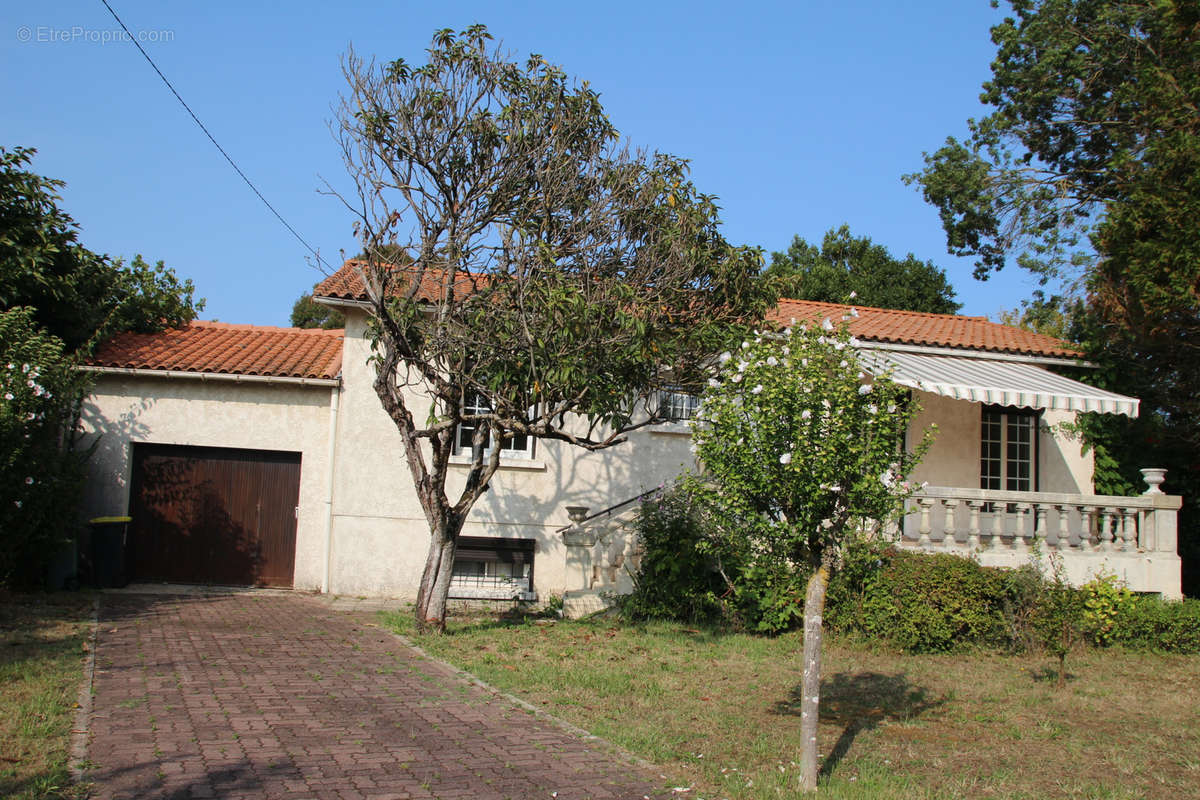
[786, 458]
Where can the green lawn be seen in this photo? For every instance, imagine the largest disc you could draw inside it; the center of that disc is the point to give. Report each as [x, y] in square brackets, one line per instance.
[719, 711]
[41, 668]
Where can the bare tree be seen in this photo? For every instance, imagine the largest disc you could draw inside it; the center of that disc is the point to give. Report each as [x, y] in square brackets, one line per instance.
[528, 275]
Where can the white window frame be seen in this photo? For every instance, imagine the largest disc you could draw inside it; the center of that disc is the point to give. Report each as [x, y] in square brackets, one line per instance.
[1011, 421]
[509, 448]
[679, 406]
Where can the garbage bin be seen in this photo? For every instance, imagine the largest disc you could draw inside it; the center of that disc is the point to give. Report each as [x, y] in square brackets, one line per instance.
[108, 535]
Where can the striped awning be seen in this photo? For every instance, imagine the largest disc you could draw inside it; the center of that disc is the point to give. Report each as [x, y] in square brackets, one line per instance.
[1005, 383]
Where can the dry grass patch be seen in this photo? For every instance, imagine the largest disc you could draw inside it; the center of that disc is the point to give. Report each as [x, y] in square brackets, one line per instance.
[719, 711]
[41, 667]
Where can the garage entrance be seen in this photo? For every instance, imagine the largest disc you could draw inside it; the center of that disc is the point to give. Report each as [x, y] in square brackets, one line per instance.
[213, 515]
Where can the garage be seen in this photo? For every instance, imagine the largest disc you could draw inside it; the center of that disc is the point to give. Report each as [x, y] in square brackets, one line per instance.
[213, 515]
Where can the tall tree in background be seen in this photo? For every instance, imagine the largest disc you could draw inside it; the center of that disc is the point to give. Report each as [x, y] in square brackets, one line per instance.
[845, 263]
[549, 281]
[1089, 170]
[78, 296]
[308, 313]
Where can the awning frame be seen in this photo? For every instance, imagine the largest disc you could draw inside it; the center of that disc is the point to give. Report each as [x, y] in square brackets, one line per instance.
[979, 378]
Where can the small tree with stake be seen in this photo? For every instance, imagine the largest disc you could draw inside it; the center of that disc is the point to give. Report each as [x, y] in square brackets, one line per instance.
[527, 276]
[805, 453]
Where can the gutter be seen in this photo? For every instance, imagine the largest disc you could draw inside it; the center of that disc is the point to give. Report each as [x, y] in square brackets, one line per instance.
[338, 302]
[335, 395]
[212, 376]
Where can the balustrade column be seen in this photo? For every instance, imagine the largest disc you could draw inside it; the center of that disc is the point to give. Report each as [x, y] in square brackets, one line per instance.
[1086, 539]
[1106, 529]
[1064, 532]
[997, 527]
[973, 526]
[949, 526]
[1019, 543]
[1129, 529]
[1039, 522]
[926, 504]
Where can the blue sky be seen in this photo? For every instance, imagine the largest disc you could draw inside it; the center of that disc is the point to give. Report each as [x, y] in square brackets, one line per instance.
[799, 116]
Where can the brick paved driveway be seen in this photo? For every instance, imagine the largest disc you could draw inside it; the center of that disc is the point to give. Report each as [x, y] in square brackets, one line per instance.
[257, 695]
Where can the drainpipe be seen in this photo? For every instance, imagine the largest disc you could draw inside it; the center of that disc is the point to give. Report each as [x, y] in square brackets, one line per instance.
[335, 395]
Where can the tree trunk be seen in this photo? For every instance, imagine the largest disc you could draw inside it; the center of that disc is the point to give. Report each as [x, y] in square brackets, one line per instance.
[810, 698]
[435, 580]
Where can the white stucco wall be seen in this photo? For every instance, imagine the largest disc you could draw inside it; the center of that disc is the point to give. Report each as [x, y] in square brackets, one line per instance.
[380, 535]
[953, 460]
[212, 413]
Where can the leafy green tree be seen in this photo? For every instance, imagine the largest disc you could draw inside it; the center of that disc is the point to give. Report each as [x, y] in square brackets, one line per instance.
[308, 313]
[1088, 170]
[1095, 118]
[77, 295]
[846, 264]
[550, 281]
[805, 455]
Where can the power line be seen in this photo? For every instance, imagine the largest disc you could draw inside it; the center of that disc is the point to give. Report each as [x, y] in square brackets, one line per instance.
[187, 108]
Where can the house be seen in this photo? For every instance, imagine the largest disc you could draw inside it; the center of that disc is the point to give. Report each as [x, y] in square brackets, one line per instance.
[249, 454]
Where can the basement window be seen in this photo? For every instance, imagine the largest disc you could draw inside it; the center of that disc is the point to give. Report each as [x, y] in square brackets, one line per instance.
[488, 568]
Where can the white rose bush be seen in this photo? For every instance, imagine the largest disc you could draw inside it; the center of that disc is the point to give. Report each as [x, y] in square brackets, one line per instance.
[803, 455]
[40, 475]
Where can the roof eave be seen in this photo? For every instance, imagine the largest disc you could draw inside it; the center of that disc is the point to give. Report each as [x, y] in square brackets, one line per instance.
[232, 377]
[342, 302]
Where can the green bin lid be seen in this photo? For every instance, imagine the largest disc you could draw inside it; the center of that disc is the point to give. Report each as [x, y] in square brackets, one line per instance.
[102, 520]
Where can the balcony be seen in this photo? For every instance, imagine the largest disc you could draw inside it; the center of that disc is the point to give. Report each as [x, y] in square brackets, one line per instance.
[1133, 537]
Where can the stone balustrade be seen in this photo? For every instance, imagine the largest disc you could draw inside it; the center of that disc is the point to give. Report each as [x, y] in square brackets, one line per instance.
[1083, 536]
[1135, 537]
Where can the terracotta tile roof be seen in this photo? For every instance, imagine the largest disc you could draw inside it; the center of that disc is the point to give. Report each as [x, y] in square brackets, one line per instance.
[228, 349]
[347, 284]
[872, 324]
[919, 328]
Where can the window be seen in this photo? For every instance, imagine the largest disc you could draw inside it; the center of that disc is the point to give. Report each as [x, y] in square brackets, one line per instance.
[1008, 449]
[678, 406]
[492, 568]
[517, 446]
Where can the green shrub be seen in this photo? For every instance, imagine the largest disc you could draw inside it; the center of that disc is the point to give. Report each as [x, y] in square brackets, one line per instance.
[690, 572]
[1151, 623]
[1106, 599]
[931, 602]
[40, 477]
[768, 598]
[677, 578]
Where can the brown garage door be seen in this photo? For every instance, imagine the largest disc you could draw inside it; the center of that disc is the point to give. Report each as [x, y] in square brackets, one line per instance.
[213, 515]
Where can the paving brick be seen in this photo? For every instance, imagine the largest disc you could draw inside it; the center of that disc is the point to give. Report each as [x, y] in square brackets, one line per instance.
[271, 695]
